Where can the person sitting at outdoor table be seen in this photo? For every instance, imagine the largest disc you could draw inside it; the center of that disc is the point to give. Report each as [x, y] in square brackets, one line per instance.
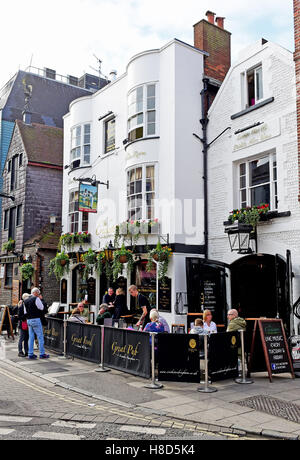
[163, 321]
[77, 317]
[235, 322]
[103, 314]
[198, 328]
[83, 311]
[209, 326]
[155, 325]
[120, 305]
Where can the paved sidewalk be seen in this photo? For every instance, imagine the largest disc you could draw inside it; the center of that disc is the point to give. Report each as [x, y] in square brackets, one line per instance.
[231, 409]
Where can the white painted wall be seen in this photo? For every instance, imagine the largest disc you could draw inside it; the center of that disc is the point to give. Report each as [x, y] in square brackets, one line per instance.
[274, 237]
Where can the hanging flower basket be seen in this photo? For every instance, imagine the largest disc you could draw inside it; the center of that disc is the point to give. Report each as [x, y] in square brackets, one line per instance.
[162, 256]
[27, 271]
[59, 265]
[121, 257]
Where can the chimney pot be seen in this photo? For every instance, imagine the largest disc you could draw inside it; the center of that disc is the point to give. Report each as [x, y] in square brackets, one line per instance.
[210, 16]
[220, 22]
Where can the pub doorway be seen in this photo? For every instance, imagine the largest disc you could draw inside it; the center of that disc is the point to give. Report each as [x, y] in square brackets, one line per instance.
[259, 287]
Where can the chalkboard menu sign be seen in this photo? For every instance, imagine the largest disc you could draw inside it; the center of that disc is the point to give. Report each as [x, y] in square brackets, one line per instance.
[209, 294]
[269, 350]
[165, 295]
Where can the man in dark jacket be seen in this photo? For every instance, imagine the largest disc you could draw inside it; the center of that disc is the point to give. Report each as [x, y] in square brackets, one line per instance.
[33, 308]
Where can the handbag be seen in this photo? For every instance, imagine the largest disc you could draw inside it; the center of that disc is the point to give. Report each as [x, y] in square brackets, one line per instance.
[24, 326]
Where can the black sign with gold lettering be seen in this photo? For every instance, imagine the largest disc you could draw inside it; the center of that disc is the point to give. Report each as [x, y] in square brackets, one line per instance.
[178, 357]
[165, 295]
[84, 342]
[223, 356]
[54, 335]
[127, 351]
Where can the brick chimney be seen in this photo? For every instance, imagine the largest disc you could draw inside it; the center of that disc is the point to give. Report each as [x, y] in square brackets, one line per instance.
[297, 68]
[214, 39]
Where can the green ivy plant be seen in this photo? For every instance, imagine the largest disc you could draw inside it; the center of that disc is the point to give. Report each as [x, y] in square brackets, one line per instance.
[9, 246]
[27, 271]
[89, 261]
[162, 256]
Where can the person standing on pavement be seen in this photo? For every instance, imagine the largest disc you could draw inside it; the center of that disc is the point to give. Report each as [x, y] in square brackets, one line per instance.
[23, 328]
[32, 309]
[143, 304]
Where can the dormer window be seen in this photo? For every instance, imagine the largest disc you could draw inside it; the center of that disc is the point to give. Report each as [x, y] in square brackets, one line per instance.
[254, 84]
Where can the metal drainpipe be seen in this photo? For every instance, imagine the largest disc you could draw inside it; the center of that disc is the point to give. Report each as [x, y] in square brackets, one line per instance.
[204, 122]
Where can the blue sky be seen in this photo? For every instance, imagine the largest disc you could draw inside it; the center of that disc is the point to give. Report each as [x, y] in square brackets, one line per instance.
[65, 35]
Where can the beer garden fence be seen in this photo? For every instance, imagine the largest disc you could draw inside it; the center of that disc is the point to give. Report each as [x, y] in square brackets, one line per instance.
[178, 356]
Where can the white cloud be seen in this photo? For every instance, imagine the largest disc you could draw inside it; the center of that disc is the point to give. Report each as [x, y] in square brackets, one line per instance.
[64, 34]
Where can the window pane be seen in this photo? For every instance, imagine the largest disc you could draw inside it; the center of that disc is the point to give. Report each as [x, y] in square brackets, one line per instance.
[139, 93]
[138, 187]
[259, 84]
[87, 154]
[151, 103]
[151, 117]
[242, 169]
[151, 91]
[259, 171]
[251, 88]
[243, 182]
[260, 195]
[151, 129]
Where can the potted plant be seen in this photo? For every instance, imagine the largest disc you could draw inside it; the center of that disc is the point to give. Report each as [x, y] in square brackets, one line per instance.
[68, 240]
[100, 263]
[27, 271]
[89, 260]
[250, 215]
[9, 246]
[59, 265]
[121, 257]
[162, 256]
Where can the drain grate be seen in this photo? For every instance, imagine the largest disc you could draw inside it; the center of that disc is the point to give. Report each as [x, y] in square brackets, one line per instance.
[273, 406]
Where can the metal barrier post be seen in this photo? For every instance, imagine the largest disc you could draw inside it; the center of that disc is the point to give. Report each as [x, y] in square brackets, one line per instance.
[206, 388]
[65, 342]
[243, 380]
[153, 385]
[101, 368]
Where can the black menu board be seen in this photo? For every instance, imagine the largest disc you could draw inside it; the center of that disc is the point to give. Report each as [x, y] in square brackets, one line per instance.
[165, 295]
[210, 293]
[269, 337]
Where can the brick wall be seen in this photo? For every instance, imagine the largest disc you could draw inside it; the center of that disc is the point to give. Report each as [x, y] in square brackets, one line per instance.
[217, 42]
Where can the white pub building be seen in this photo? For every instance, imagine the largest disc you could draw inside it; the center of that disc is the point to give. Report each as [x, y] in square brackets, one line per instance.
[134, 140]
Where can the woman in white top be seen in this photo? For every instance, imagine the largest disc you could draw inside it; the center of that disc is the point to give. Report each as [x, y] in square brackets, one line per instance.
[209, 326]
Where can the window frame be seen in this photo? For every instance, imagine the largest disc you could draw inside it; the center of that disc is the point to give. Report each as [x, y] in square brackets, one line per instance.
[79, 144]
[9, 286]
[77, 225]
[106, 150]
[273, 180]
[144, 193]
[257, 99]
[142, 112]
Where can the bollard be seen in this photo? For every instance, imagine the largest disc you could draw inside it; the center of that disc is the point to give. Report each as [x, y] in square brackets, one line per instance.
[206, 388]
[101, 368]
[243, 380]
[65, 342]
[153, 385]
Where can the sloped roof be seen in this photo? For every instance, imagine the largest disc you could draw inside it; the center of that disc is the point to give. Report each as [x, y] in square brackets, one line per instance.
[45, 239]
[50, 99]
[43, 144]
